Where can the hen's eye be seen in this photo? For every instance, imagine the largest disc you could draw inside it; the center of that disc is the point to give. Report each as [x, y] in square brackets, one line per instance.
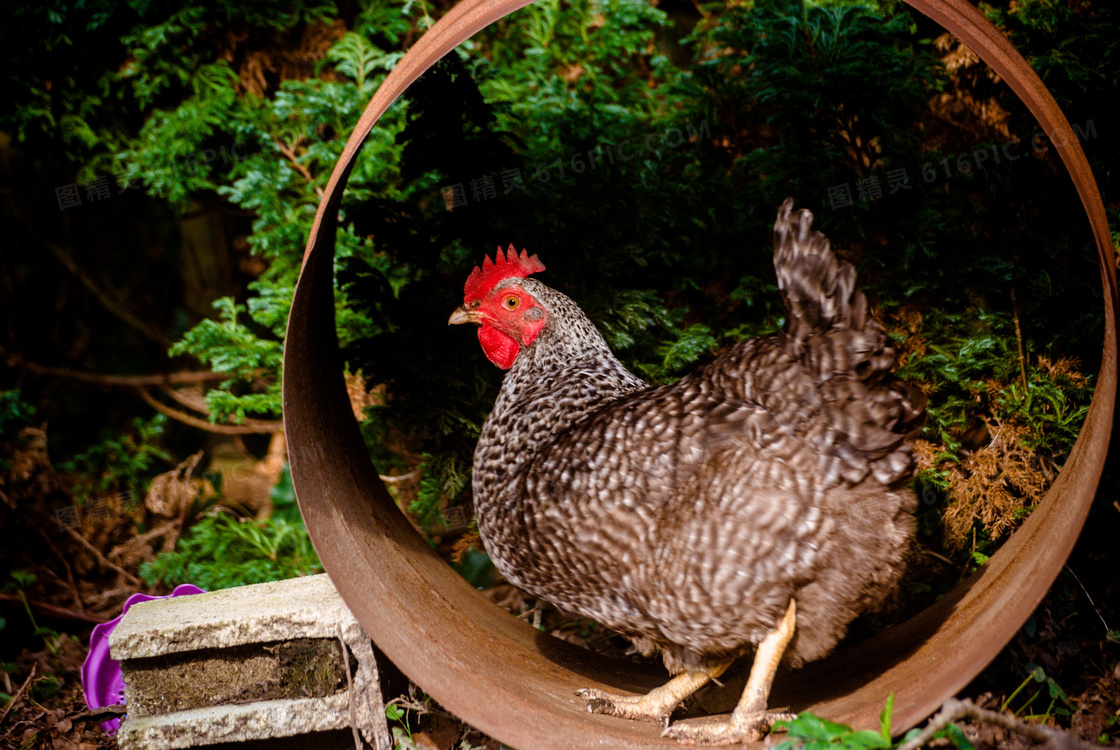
[511, 302]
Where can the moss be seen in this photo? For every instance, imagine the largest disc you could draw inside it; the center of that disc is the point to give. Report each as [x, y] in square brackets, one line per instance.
[301, 668]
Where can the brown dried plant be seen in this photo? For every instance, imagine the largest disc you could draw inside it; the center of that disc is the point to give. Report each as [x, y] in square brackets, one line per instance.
[994, 485]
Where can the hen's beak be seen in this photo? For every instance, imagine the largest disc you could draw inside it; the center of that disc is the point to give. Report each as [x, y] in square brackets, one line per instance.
[463, 315]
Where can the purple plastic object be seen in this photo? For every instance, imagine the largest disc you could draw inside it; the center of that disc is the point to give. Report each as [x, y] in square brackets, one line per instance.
[101, 673]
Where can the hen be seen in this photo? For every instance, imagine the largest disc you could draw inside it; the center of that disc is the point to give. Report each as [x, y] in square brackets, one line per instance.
[758, 504]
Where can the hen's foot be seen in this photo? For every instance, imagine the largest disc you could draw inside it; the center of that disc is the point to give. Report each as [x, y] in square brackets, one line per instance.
[656, 705]
[734, 730]
[750, 721]
[636, 707]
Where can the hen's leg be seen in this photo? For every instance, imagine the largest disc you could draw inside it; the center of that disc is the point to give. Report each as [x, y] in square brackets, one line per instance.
[750, 720]
[657, 704]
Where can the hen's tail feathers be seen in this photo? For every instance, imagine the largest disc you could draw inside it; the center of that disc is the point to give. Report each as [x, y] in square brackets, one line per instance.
[871, 415]
[818, 288]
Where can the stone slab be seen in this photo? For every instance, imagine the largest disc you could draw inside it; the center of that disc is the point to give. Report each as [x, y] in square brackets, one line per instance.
[196, 634]
[308, 607]
[200, 727]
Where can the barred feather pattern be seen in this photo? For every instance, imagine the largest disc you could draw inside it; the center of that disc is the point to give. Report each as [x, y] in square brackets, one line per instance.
[687, 515]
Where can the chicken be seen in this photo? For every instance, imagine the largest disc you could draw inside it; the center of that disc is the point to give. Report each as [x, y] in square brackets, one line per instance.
[759, 504]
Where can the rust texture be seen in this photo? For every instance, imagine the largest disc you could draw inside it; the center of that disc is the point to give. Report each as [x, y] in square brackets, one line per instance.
[515, 683]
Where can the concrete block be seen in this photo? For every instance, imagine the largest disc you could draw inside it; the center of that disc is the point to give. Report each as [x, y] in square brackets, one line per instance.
[249, 665]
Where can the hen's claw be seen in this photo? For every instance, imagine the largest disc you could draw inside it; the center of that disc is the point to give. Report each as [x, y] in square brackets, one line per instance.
[734, 730]
[636, 707]
[658, 704]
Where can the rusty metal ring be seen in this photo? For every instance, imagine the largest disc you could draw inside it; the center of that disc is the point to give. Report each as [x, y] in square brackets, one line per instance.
[515, 683]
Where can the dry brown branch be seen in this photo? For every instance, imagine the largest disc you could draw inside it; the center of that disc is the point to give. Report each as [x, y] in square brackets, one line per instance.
[170, 491]
[463, 545]
[130, 381]
[349, 689]
[248, 427]
[192, 398]
[164, 381]
[137, 549]
[98, 600]
[290, 153]
[100, 714]
[953, 710]
[135, 541]
[1019, 339]
[19, 693]
[171, 494]
[71, 584]
[110, 299]
[399, 477]
[102, 559]
[937, 556]
[53, 610]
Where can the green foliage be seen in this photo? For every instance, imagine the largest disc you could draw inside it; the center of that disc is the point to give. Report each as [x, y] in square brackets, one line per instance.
[231, 347]
[354, 57]
[810, 732]
[1059, 701]
[121, 463]
[21, 581]
[15, 414]
[222, 551]
[54, 98]
[814, 733]
[693, 343]
[443, 479]
[833, 88]
[283, 496]
[971, 371]
[1076, 54]
[477, 569]
[287, 149]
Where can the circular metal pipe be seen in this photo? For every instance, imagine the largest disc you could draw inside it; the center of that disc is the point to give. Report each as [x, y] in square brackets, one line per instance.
[515, 683]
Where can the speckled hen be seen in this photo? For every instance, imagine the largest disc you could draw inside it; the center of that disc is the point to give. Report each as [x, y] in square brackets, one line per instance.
[757, 505]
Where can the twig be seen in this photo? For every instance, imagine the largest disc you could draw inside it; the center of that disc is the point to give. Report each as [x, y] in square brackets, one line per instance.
[196, 401]
[137, 541]
[100, 714]
[290, 153]
[131, 381]
[53, 610]
[1092, 603]
[164, 381]
[102, 559]
[19, 693]
[1019, 338]
[249, 426]
[113, 303]
[69, 571]
[953, 709]
[940, 557]
[349, 688]
[99, 599]
[398, 477]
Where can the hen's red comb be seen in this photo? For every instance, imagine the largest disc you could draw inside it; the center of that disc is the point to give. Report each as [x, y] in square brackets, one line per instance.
[492, 272]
